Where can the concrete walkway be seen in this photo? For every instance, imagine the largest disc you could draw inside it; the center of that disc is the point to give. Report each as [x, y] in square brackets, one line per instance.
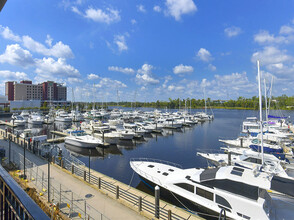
[104, 204]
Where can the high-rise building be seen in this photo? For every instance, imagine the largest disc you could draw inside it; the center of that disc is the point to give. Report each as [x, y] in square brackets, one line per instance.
[25, 90]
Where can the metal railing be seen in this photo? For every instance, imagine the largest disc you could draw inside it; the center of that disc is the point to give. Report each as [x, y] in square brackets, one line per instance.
[82, 171]
[14, 202]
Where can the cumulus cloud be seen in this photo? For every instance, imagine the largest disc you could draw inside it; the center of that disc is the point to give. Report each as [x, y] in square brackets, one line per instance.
[285, 29]
[264, 37]
[232, 31]
[120, 42]
[9, 75]
[15, 55]
[174, 88]
[141, 8]
[98, 15]
[181, 69]
[73, 80]
[49, 40]
[157, 8]
[204, 55]
[133, 21]
[92, 76]
[177, 8]
[211, 67]
[6, 33]
[110, 83]
[125, 70]
[58, 50]
[144, 75]
[271, 55]
[49, 66]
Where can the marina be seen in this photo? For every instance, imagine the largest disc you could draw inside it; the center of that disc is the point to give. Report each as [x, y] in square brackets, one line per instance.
[113, 160]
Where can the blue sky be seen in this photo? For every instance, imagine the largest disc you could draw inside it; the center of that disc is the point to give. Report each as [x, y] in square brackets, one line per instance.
[149, 50]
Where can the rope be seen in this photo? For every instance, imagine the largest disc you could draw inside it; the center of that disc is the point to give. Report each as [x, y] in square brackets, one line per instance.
[131, 178]
[191, 210]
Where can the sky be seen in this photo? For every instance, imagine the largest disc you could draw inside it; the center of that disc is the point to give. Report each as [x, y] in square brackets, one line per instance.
[147, 50]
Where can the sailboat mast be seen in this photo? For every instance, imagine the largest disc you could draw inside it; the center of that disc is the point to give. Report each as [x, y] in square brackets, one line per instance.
[265, 98]
[270, 96]
[205, 102]
[260, 111]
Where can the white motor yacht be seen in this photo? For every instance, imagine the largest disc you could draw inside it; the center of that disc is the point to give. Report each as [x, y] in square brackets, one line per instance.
[35, 118]
[62, 116]
[242, 193]
[81, 139]
[249, 159]
[18, 120]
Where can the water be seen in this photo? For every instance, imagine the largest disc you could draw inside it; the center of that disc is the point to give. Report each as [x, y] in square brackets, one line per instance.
[175, 146]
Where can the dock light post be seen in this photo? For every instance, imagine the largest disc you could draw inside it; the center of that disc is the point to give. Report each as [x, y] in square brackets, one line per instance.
[89, 163]
[9, 147]
[157, 197]
[24, 158]
[49, 160]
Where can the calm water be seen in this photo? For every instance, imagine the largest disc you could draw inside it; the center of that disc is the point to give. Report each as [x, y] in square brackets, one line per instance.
[174, 146]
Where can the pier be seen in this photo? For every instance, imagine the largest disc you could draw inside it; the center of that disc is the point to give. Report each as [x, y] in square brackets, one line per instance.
[7, 124]
[93, 195]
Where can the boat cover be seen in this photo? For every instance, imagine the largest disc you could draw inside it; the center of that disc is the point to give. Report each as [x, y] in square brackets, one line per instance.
[283, 185]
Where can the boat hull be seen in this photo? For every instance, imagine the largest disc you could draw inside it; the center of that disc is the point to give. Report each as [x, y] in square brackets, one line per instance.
[80, 144]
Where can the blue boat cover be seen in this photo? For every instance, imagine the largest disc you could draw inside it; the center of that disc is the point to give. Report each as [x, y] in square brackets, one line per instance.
[272, 116]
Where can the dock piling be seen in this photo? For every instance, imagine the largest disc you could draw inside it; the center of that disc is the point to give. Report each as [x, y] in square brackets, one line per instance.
[140, 203]
[117, 192]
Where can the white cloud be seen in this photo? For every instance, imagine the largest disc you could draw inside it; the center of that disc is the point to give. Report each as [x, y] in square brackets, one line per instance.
[181, 69]
[141, 8]
[173, 88]
[144, 75]
[125, 70]
[92, 76]
[166, 80]
[177, 8]
[110, 83]
[204, 55]
[58, 50]
[133, 21]
[285, 29]
[8, 34]
[98, 15]
[232, 31]
[73, 80]
[48, 66]
[264, 37]
[9, 75]
[157, 8]
[211, 67]
[120, 42]
[49, 40]
[15, 55]
[271, 55]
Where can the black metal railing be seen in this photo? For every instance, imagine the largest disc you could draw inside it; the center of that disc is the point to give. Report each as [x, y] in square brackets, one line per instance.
[14, 202]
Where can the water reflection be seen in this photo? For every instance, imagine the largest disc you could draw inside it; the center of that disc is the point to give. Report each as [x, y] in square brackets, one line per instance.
[98, 152]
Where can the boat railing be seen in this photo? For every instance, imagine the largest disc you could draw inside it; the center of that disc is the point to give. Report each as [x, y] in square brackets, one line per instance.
[211, 151]
[156, 161]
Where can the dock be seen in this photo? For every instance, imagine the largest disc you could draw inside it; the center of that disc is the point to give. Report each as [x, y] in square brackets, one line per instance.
[7, 124]
[90, 194]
